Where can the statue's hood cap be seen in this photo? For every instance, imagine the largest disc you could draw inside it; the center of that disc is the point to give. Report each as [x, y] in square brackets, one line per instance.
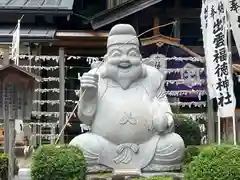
[122, 33]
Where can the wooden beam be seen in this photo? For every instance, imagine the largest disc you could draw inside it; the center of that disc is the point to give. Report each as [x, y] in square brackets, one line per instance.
[72, 43]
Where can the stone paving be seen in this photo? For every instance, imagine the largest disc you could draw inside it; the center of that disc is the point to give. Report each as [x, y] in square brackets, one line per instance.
[24, 174]
[24, 171]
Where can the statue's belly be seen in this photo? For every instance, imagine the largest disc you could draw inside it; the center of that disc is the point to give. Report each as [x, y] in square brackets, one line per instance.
[124, 117]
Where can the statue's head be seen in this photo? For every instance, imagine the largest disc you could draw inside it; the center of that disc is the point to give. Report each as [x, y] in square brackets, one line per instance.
[123, 59]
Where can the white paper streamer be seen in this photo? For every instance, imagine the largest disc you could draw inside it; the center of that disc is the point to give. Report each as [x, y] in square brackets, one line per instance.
[189, 104]
[48, 114]
[42, 125]
[183, 81]
[48, 68]
[182, 104]
[94, 59]
[195, 116]
[54, 90]
[35, 58]
[38, 58]
[179, 70]
[169, 70]
[42, 102]
[178, 81]
[46, 136]
[50, 79]
[175, 93]
[51, 102]
[182, 93]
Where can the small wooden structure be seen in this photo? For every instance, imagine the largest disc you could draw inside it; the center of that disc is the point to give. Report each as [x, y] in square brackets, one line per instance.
[16, 91]
[16, 94]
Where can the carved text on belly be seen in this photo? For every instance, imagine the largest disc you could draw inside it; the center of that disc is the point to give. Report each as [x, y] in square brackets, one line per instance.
[128, 118]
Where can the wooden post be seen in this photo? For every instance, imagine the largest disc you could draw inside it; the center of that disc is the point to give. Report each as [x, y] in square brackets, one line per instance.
[6, 125]
[177, 29]
[11, 154]
[52, 132]
[156, 22]
[210, 122]
[62, 92]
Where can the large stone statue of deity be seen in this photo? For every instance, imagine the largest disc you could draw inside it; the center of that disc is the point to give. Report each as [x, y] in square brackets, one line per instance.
[125, 104]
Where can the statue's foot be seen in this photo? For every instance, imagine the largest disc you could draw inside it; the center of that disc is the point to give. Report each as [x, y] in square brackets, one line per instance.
[91, 145]
[169, 154]
[102, 155]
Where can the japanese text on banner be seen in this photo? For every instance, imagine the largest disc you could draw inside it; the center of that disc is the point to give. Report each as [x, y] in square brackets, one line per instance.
[217, 57]
[233, 9]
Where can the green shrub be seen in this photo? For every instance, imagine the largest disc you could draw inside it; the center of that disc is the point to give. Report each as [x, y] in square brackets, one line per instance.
[58, 163]
[190, 153]
[215, 163]
[188, 129]
[156, 178]
[4, 167]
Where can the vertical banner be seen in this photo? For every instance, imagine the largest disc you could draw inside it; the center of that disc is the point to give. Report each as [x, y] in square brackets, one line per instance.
[219, 73]
[16, 44]
[233, 9]
[207, 28]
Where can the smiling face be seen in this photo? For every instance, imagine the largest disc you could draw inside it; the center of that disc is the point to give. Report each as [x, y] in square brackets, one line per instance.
[123, 64]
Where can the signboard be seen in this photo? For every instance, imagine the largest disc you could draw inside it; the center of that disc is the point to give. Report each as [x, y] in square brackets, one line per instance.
[15, 103]
[219, 75]
[16, 93]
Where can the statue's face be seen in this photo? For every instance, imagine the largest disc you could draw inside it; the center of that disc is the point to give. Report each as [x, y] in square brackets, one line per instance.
[124, 63]
[124, 56]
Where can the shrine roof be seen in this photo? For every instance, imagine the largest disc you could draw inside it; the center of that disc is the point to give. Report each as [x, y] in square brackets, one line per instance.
[51, 6]
[118, 12]
[12, 66]
[28, 33]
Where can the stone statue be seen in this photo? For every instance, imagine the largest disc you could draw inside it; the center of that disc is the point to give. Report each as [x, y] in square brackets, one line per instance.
[125, 104]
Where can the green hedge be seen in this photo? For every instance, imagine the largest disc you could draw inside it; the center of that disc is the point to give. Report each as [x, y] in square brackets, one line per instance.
[215, 163]
[190, 153]
[188, 129]
[155, 178]
[4, 167]
[58, 163]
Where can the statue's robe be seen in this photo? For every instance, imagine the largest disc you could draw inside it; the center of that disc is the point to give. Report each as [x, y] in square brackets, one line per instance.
[123, 135]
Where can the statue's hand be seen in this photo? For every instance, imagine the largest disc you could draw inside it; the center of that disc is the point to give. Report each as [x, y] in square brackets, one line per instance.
[170, 121]
[160, 123]
[163, 124]
[89, 84]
